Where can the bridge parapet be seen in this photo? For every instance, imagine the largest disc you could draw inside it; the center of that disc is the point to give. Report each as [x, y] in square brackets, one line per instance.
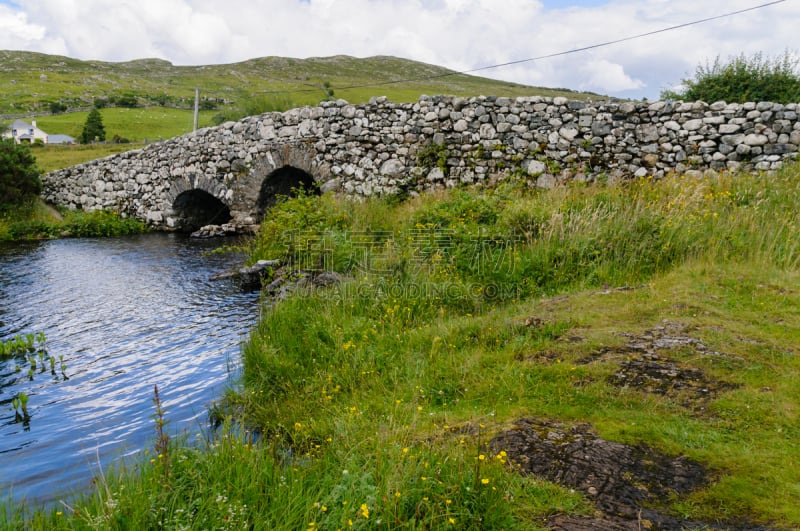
[381, 148]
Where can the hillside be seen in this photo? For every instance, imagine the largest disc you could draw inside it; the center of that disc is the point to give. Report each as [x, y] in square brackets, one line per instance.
[30, 82]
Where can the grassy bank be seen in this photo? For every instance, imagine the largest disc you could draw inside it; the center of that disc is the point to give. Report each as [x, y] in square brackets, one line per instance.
[372, 403]
[35, 220]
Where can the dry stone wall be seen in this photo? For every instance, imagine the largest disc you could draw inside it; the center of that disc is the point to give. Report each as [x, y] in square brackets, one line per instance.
[383, 147]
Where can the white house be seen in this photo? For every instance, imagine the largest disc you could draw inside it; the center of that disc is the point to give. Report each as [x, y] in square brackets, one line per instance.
[25, 132]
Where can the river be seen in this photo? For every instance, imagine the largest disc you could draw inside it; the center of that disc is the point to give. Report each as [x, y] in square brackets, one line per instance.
[126, 314]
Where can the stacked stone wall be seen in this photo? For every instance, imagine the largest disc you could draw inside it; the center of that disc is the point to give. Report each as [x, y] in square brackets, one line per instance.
[383, 147]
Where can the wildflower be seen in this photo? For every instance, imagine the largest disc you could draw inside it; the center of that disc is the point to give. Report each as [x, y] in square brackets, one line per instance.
[452, 521]
[397, 494]
[405, 450]
[485, 481]
[481, 457]
[448, 502]
[364, 510]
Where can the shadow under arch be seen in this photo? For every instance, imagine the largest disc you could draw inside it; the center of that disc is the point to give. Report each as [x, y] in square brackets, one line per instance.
[283, 182]
[197, 208]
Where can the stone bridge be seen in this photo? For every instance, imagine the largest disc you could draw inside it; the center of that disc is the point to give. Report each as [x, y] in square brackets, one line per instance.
[232, 173]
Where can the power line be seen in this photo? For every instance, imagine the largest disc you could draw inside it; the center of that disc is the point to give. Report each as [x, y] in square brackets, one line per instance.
[547, 56]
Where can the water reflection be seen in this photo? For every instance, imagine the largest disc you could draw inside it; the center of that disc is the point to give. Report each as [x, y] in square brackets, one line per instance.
[126, 314]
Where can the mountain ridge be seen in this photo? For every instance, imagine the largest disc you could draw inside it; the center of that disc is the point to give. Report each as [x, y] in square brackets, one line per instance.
[32, 81]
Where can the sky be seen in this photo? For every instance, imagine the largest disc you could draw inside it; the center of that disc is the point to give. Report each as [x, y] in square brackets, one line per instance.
[458, 34]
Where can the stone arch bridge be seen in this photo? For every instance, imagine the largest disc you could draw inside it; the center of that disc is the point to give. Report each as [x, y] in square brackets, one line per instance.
[232, 173]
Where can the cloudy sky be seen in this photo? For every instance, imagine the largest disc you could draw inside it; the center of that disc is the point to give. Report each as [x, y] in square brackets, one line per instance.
[458, 34]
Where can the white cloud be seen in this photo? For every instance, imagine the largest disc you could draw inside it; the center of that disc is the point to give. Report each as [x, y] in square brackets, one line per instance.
[16, 33]
[459, 34]
[608, 77]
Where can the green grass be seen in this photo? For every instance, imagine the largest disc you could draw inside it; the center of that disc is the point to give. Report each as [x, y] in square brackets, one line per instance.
[34, 220]
[370, 404]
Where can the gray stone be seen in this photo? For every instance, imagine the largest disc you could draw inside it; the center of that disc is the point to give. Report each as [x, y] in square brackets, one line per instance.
[756, 140]
[568, 133]
[779, 149]
[733, 140]
[536, 167]
[392, 167]
[693, 125]
[729, 129]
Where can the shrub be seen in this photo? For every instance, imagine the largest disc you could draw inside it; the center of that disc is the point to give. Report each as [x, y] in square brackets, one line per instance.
[19, 176]
[743, 78]
[254, 105]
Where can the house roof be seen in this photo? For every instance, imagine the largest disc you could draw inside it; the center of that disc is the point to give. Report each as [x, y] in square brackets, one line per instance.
[20, 124]
[60, 139]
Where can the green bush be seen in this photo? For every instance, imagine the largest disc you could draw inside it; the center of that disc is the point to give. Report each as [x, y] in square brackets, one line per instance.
[741, 79]
[19, 175]
[254, 105]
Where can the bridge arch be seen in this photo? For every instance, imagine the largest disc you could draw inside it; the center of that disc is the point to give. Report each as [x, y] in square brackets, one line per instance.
[283, 182]
[278, 171]
[197, 208]
[197, 201]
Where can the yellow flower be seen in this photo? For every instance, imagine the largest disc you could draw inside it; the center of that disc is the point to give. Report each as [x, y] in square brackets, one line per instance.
[452, 521]
[481, 457]
[397, 494]
[485, 481]
[364, 510]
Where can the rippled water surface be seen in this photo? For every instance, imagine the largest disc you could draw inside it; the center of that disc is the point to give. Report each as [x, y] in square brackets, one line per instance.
[126, 314]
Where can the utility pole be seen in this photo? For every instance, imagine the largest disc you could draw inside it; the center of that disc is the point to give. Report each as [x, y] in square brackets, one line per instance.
[196, 106]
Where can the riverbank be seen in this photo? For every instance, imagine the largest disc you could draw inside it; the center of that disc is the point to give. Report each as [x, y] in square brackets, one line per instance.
[489, 355]
[35, 220]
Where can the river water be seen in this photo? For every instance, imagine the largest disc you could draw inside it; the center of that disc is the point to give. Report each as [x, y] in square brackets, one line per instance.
[126, 314]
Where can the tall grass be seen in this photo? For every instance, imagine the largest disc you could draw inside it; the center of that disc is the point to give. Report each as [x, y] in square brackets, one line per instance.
[370, 404]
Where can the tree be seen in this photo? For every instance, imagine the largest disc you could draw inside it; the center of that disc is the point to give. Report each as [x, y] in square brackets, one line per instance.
[743, 79]
[19, 176]
[128, 100]
[56, 107]
[93, 130]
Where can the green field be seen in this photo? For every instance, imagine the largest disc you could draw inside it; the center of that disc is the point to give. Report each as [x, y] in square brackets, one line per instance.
[662, 313]
[137, 125]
